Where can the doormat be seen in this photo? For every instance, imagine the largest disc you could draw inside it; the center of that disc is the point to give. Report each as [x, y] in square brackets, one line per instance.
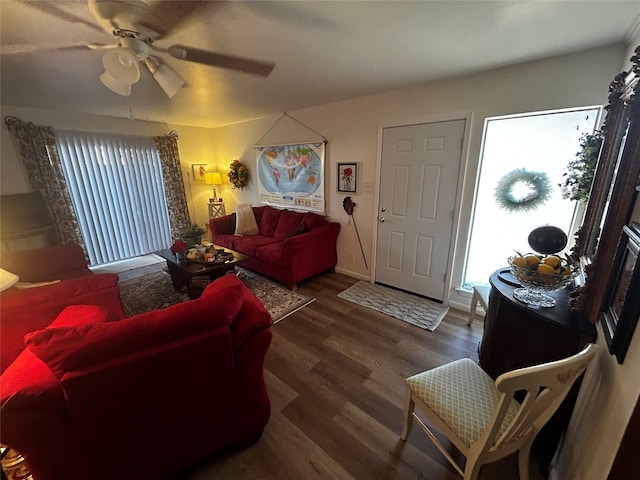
[153, 291]
[401, 305]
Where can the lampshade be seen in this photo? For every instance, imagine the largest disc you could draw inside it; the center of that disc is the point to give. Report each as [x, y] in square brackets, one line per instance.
[122, 64]
[115, 85]
[7, 279]
[212, 178]
[169, 80]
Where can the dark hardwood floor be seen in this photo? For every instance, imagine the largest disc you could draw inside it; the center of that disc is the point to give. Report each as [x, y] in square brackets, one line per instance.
[335, 374]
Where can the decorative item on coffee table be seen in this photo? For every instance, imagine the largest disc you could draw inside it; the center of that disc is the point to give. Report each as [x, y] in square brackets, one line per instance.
[193, 236]
[178, 248]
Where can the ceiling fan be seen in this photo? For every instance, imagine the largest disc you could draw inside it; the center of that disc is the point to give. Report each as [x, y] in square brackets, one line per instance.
[137, 25]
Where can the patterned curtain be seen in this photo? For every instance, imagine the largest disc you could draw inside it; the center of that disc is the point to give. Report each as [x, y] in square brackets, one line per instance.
[37, 147]
[179, 219]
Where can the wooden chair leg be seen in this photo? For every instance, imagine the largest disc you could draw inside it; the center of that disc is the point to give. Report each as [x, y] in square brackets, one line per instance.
[523, 460]
[409, 406]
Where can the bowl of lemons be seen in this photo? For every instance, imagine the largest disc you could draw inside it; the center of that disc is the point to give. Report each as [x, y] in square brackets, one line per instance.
[541, 273]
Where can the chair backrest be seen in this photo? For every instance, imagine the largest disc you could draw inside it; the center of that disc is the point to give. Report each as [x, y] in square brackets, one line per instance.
[546, 387]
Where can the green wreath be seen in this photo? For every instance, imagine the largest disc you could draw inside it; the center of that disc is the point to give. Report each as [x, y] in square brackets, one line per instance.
[537, 182]
[238, 174]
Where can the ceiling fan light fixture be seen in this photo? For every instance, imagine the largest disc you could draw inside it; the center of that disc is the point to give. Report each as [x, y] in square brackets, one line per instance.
[122, 64]
[115, 85]
[169, 80]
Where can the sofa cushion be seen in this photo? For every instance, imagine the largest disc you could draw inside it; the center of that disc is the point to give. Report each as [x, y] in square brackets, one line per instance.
[225, 241]
[288, 221]
[270, 253]
[29, 383]
[269, 221]
[245, 220]
[313, 220]
[302, 228]
[55, 262]
[66, 348]
[248, 244]
[251, 318]
[223, 225]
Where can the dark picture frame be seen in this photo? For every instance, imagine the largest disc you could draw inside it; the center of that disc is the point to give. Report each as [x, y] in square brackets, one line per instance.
[622, 302]
[348, 177]
[613, 194]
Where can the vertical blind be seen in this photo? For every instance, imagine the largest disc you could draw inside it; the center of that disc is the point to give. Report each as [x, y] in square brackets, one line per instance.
[117, 190]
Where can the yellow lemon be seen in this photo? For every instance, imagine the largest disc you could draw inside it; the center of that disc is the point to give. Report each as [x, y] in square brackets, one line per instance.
[520, 262]
[532, 259]
[552, 260]
[544, 268]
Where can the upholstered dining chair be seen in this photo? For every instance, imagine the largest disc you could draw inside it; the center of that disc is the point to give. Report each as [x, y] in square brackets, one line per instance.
[480, 416]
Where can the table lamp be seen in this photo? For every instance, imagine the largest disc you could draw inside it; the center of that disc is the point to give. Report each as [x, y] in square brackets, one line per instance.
[213, 178]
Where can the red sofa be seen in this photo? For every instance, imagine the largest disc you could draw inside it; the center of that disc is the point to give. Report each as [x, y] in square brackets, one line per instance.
[289, 247]
[25, 310]
[143, 397]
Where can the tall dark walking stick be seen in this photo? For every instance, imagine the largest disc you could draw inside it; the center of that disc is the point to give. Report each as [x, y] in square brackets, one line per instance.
[348, 205]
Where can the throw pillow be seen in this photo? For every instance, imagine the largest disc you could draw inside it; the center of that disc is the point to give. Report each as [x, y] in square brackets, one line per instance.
[313, 220]
[288, 221]
[67, 348]
[245, 220]
[298, 230]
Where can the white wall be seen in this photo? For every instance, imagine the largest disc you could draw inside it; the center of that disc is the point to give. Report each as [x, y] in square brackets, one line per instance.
[607, 398]
[352, 129]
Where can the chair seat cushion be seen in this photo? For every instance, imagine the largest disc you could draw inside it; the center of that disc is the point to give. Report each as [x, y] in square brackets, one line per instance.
[463, 396]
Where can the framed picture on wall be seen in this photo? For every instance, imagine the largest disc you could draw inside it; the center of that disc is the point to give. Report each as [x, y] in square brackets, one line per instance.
[348, 177]
[622, 307]
[198, 169]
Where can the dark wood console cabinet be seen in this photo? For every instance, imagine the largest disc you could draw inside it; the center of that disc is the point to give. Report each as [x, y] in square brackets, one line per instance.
[516, 336]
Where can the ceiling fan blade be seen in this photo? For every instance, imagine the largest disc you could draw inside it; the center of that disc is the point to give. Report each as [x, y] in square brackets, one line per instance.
[212, 59]
[162, 17]
[51, 9]
[30, 48]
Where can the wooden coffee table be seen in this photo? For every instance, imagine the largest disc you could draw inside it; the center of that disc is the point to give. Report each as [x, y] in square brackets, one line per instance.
[195, 275]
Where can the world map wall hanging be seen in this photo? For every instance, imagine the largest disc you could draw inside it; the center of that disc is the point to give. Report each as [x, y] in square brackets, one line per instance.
[291, 176]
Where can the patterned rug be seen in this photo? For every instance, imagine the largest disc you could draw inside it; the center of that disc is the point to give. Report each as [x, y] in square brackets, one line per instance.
[154, 291]
[404, 306]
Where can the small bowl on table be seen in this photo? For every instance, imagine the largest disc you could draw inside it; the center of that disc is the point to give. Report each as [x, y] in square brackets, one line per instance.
[536, 283]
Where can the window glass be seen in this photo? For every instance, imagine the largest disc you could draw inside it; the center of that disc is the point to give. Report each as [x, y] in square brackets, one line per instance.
[522, 147]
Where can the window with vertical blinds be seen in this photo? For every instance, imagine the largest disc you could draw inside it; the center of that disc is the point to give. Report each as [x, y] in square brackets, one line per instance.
[118, 194]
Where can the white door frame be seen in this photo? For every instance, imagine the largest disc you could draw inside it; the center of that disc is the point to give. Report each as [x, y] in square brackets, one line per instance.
[445, 117]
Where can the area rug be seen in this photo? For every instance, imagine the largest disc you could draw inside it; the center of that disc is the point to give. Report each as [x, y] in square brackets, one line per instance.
[401, 305]
[155, 290]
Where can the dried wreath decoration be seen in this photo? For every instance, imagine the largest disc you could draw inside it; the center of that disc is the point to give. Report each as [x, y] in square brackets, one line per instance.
[521, 190]
[238, 175]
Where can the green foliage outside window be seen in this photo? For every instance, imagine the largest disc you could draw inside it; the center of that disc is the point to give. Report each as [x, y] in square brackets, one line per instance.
[580, 172]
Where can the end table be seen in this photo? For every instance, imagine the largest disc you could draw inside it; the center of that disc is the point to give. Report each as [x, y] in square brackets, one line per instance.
[216, 209]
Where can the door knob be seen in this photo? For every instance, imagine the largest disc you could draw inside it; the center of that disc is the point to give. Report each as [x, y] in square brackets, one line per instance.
[381, 219]
[383, 209]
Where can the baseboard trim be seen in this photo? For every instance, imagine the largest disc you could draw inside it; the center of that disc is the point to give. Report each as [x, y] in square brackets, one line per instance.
[349, 273]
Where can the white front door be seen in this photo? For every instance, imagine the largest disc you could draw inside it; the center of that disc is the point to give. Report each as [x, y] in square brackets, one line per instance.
[418, 184]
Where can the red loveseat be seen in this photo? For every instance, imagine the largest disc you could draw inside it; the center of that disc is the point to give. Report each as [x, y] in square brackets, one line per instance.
[26, 310]
[289, 247]
[140, 398]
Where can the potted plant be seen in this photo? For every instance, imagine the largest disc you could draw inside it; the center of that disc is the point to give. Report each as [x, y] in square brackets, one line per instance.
[580, 172]
[193, 236]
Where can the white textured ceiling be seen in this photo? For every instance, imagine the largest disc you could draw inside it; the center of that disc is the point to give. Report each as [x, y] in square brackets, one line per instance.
[324, 51]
